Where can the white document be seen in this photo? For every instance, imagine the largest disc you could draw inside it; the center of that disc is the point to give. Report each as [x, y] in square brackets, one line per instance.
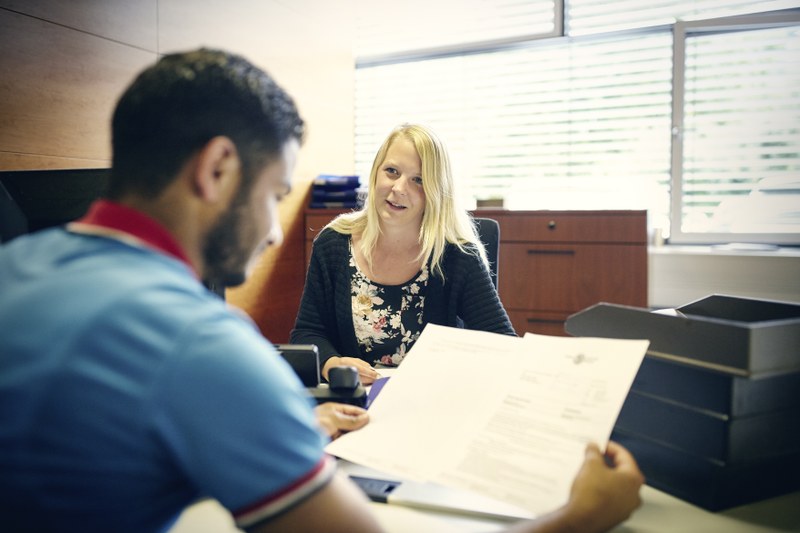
[502, 416]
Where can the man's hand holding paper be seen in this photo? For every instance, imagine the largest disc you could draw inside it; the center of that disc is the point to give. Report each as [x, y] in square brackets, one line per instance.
[519, 435]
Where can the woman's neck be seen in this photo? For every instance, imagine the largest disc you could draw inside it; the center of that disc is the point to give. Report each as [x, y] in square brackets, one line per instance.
[399, 239]
[395, 258]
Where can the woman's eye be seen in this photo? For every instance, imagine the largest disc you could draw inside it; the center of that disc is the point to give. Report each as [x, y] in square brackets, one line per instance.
[418, 180]
[390, 170]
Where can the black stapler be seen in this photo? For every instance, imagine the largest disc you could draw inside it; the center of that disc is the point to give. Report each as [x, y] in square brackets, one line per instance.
[344, 385]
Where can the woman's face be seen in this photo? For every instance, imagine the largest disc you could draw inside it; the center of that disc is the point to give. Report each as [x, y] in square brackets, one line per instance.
[399, 196]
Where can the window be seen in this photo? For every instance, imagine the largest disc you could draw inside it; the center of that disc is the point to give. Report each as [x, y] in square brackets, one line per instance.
[585, 120]
[739, 141]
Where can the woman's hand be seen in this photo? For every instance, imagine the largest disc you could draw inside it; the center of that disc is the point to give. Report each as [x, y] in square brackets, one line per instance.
[366, 373]
[339, 418]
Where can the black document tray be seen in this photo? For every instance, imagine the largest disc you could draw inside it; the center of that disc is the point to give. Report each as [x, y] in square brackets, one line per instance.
[737, 336]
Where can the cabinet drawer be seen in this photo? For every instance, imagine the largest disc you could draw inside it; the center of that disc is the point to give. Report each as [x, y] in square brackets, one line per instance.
[315, 222]
[571, 277]
[628, 227]
[538, 322]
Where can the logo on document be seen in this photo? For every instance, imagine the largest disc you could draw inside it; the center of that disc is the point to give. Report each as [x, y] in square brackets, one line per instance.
[580, 358]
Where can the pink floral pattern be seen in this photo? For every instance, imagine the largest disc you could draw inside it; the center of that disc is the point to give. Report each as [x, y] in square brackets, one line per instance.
[387, 318]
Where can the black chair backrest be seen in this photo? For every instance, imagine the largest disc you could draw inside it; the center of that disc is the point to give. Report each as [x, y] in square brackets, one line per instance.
[489, 233]
[12, 220]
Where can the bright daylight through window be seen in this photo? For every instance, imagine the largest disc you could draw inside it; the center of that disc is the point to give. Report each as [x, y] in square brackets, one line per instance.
[689, 109]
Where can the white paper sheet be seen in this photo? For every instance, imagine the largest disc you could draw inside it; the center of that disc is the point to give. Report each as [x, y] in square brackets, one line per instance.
[503, 416]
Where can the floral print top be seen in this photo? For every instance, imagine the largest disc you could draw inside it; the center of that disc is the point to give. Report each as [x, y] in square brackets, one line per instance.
[387, 318]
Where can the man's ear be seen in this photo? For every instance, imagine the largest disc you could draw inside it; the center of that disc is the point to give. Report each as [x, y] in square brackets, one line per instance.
[217, 173]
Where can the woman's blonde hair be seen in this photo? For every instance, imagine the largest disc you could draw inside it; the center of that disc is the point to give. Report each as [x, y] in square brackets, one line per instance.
[443, 220]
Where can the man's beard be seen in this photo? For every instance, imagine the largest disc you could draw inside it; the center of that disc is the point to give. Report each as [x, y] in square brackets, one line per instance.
[226, 253]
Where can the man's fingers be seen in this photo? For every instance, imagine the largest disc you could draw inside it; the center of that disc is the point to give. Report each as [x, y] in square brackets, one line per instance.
[350, 422]
[620, 456]
[593, 452]
[351, 410]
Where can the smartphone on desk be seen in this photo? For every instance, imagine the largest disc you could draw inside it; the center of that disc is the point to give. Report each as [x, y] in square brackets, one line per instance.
[385, 488]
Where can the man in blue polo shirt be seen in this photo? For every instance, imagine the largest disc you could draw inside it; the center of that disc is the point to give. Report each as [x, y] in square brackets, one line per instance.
[128, 391]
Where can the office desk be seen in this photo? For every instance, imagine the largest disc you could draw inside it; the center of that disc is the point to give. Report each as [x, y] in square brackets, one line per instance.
[659, 513]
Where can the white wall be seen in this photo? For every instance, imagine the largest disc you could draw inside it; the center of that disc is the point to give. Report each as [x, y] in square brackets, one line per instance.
[304, 44]
[681, 274]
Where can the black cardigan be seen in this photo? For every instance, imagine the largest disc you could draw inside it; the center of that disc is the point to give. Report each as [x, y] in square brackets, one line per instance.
[467, 298]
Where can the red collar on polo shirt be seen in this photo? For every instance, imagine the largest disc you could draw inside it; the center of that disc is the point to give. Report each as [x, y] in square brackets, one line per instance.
[117, 221]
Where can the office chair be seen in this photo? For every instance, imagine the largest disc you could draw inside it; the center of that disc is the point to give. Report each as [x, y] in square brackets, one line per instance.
[489, 234]
[12, 220]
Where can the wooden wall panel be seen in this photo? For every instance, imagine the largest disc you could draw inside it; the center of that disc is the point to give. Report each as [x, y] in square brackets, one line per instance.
[133, 23]
[271, 296]
[58, 87]
[9, 161]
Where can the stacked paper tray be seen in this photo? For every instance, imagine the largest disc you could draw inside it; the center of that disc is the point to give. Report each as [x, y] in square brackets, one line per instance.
[712, 413]
[737, 336]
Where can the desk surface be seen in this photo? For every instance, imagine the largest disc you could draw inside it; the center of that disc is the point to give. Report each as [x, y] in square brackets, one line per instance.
[660, 512]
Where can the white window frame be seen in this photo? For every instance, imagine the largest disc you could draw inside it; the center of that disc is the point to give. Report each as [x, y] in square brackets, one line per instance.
[682, 30]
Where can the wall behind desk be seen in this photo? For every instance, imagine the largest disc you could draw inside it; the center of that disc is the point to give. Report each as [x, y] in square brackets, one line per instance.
[681, 274]
[64, 64]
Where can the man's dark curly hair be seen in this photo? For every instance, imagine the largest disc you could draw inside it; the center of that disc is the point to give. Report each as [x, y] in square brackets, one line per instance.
[175, 107]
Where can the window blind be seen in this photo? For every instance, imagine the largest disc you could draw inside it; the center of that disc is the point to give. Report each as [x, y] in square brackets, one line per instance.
[565, 125]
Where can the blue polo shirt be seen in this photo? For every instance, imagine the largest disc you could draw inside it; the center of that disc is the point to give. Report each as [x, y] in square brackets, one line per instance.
[128, 391]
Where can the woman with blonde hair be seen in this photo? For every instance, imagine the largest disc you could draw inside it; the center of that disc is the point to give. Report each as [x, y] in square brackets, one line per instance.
[409, 257]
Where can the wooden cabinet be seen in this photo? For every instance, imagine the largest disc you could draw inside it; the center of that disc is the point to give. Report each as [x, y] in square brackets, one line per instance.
[555, 263]
[315, 221]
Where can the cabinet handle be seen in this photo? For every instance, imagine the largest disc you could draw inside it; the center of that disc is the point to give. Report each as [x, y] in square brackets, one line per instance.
[551, 252]
[544, 321]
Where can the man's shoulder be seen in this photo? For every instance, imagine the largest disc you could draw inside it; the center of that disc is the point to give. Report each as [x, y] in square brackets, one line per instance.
[69, 254]
[50, 241]
[108, 286]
